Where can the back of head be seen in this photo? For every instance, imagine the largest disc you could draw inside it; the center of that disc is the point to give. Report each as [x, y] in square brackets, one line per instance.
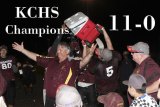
[106, 54]
[137, 81]
[111, 99]
[68, 96]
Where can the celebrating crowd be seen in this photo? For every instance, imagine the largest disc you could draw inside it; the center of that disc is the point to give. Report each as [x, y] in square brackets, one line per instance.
[88, 77]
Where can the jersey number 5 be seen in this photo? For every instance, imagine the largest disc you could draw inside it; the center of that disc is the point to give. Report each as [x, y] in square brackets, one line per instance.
[109, 71]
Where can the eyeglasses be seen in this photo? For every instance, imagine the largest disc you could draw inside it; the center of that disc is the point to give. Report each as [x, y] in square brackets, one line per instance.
[136, 52]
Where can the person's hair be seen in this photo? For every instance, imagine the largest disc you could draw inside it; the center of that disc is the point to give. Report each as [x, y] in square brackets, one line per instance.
[3, 47]
[66, 46]
[143, 89]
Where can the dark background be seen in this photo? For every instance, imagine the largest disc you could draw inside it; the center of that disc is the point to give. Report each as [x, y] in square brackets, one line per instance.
[98, 11]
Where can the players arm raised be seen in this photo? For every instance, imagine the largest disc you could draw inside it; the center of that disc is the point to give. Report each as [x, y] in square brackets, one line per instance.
[20, 48]
[33, 56]
[107, 39]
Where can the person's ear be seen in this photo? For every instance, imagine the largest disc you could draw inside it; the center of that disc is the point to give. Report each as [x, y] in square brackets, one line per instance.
[140, 56]
[133, 90]
[120, 104]
[67, 52]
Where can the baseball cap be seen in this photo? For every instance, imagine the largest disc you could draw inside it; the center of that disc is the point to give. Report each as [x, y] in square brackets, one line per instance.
[105, 54]
[100, 43]
[136, 81]
[111, 99]
[68, 96]
[3, 47]
[140, 47]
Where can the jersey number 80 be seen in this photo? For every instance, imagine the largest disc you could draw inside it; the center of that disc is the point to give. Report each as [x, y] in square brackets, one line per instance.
[6, 66]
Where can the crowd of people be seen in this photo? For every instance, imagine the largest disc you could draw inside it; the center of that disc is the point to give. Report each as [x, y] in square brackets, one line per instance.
[10, 70]
[87, 77]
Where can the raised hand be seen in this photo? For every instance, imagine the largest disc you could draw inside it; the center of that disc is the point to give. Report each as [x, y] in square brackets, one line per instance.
[18, 47]
[92, 49]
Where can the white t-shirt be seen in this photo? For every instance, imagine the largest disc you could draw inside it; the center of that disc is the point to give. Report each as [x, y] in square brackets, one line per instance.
[144, 101]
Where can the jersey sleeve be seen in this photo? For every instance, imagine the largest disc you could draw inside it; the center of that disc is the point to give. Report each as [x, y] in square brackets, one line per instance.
[43, 61]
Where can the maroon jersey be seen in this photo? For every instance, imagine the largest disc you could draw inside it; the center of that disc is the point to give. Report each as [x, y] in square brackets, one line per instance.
[87, 75]
[57, 73]
[151, 72]
[6, 67]
[106, 74]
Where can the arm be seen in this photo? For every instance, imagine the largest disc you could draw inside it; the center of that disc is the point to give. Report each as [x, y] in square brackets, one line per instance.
[84, 49]
[153, 87]
[107, 39]
[87, 58]
[20, 48]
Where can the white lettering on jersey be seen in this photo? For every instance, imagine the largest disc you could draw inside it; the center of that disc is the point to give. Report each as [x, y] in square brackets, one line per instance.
[6, 65]
[109, 71]
[8, 61]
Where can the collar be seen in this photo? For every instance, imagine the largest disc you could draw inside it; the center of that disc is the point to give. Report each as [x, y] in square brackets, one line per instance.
[141, 97]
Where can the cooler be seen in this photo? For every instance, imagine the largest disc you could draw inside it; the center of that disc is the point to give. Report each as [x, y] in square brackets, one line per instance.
[83, 27]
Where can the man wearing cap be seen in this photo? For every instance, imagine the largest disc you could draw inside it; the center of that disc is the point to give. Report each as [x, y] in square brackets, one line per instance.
[106, 70]
[146, 66]
[59, 69]
[7, 64]
[137, 89]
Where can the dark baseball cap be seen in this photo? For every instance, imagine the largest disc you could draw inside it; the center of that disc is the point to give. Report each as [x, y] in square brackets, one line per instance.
[136, 81]
[140, 47]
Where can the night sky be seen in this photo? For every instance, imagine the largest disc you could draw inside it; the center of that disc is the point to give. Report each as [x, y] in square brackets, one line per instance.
[99, 11]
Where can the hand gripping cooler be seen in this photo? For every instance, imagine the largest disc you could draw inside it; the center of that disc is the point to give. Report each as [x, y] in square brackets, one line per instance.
[83, 27]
